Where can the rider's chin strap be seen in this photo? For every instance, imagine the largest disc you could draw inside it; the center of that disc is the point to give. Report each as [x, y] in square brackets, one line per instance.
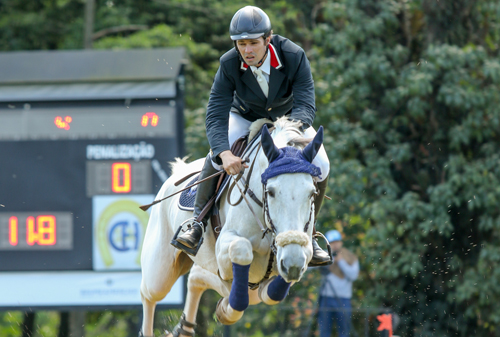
[261, 60]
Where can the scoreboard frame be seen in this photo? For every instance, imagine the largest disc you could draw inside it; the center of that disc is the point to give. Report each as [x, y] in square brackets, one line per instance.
[69, 161]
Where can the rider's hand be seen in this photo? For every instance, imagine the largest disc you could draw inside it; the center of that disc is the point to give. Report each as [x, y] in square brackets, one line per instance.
[231, 163]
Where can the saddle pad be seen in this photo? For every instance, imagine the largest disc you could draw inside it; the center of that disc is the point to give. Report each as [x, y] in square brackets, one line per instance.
[186, 200]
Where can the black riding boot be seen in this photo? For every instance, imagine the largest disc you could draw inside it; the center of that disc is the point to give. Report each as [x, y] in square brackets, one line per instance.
[320, 257]
[191, 240]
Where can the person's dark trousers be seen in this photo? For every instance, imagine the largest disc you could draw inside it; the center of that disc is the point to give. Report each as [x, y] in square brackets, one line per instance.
[334, 309]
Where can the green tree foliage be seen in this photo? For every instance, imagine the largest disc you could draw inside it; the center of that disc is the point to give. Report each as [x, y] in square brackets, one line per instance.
[408, 91]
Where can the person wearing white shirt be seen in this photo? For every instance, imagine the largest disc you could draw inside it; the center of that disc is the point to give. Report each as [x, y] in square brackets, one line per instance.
[336, 290]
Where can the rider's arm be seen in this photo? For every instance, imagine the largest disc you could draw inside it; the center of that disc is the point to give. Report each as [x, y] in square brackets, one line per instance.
[304, 106]
[219, 105]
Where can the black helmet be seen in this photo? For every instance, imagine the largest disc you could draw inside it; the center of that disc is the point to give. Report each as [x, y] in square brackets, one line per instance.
[249, 23]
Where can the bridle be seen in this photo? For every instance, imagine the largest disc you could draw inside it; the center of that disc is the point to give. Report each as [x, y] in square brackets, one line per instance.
[268, 218]
[269, 226]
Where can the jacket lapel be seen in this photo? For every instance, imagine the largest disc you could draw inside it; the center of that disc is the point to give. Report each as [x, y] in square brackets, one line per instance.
[275, 80]
[249, 79]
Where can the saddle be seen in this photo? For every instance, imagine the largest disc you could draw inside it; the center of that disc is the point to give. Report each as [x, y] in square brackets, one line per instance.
[187, 197]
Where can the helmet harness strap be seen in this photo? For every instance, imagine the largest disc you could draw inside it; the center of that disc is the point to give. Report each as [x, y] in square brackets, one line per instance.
[263, 57]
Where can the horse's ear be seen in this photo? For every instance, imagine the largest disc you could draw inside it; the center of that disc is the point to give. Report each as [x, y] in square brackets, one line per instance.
[311, 150]
[271, 151]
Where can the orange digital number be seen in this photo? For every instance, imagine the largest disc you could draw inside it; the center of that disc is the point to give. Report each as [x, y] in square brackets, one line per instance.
[13, 236]
[43, 232]
[147, 116]
[121, 178]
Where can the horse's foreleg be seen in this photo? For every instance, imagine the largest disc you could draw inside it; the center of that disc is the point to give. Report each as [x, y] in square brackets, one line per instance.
[234, 258]
[274, 290]
[199, 280]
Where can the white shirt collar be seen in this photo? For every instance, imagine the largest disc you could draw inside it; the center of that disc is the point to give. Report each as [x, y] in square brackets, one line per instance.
[266, 66]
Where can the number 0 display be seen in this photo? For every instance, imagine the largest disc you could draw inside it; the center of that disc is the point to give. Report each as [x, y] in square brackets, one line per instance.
[121, 177]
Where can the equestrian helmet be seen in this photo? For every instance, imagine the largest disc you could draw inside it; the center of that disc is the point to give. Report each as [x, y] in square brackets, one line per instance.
[249, 22]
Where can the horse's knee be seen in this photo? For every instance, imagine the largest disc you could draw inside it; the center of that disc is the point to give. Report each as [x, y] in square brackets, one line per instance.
[240, 251]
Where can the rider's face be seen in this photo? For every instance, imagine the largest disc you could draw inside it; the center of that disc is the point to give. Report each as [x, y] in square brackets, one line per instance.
[252, 50]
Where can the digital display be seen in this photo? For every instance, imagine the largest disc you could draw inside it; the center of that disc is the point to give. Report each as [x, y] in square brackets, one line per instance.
[86, 122]
[36, 231]
[119, 177]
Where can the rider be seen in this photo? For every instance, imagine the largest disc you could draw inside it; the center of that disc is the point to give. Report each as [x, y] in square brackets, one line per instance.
[237, 99]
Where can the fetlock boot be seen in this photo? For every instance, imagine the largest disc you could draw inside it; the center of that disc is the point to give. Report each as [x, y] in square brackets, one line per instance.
[191, 240]
[320, 257]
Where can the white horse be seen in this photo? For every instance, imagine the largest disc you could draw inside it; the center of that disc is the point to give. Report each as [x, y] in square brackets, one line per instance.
[243, 253]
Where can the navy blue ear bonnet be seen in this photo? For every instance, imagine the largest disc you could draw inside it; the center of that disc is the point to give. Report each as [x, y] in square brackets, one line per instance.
[289, 160]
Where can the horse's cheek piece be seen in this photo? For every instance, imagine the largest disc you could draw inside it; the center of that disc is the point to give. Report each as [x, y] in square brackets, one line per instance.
[238, 298]
[278, 289]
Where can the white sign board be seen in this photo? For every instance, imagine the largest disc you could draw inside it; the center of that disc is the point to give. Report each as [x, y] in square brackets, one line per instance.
[77, 289]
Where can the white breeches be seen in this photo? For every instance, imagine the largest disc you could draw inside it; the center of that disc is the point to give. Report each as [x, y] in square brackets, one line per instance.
[239, 126]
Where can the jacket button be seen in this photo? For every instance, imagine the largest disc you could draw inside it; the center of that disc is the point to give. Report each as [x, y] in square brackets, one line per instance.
[269, 109]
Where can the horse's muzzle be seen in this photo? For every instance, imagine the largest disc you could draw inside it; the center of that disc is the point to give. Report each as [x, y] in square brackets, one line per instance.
[292, 273]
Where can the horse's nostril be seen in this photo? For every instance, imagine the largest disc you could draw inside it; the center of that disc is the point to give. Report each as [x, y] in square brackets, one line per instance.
[283, 268]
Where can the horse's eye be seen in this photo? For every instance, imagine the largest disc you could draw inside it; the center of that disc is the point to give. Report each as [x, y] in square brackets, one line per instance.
[270, 192]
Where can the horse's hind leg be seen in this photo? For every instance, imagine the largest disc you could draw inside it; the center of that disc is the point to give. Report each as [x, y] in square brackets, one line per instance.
[148, 312]
[156, 283]
[199, 280]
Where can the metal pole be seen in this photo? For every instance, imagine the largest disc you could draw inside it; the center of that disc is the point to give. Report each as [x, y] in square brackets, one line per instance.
[89, 23]
[366, 324]
[227, 331]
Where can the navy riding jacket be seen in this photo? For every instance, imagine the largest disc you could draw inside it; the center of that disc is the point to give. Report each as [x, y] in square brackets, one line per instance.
[235, 88]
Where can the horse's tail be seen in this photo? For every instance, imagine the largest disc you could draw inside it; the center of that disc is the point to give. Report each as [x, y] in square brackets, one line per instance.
[179, 165]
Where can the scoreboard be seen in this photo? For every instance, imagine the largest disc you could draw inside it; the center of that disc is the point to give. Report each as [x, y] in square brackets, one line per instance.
[72, 178]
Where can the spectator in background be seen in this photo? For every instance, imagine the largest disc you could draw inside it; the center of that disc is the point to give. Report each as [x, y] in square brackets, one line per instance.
[336, 289]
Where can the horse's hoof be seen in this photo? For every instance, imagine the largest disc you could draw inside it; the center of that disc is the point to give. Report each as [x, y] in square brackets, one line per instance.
[220, 312]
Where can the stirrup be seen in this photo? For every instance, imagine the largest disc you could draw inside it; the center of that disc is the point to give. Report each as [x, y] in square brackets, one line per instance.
[330, 261]
[178, 330]
[184, 248]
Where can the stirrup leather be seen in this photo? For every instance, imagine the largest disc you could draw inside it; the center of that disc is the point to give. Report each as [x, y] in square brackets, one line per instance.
[184, 248]
[178, 330]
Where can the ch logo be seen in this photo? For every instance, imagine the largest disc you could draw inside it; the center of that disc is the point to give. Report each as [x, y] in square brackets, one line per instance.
[124, 236]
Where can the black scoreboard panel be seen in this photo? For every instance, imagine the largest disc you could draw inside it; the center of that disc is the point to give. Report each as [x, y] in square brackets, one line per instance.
[54, 158]
[46, 189]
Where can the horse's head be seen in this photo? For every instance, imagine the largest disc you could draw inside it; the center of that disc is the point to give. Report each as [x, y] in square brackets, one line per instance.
[289, 192]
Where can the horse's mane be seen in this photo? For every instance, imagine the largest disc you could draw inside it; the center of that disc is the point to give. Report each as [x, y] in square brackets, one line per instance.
[288, 133]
